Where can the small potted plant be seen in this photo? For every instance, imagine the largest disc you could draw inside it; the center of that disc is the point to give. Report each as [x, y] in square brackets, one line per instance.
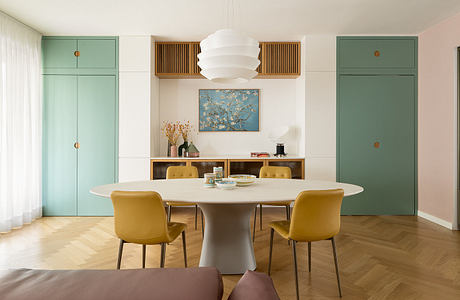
[172, 132]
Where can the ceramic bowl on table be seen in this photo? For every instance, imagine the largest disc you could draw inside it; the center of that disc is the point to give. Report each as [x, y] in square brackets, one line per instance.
[226, 184]
[243, 179]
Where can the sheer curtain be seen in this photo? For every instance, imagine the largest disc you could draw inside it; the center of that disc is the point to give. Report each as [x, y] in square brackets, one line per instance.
[20, 124]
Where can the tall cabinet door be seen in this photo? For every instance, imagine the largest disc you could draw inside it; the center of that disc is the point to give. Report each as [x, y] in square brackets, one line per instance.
[59, 137]
[96, 135]
[376, 129]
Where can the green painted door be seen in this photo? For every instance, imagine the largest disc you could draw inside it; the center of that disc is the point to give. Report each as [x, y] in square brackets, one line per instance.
[96, 135]
[376, 127]
[100, 54]
[59, 53]
[59, 136]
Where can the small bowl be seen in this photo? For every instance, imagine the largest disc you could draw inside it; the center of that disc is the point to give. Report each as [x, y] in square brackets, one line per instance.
[209, 185]
[226, 184]
[243, 179]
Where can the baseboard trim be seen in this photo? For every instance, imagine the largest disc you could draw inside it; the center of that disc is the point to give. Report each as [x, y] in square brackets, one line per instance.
[434, 219]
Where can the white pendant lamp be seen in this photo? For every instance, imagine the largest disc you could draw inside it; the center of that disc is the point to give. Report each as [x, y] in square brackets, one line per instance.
[227, 56]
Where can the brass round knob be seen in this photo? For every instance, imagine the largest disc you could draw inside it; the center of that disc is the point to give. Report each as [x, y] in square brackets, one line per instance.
[377, 53]
[76, 145]
[76, 53]
[377, 145]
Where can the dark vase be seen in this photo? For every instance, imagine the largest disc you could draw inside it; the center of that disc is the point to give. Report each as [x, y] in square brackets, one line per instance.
[183, 148]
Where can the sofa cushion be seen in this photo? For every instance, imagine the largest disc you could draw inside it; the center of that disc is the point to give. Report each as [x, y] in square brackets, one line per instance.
[139, 284]
[254, 285]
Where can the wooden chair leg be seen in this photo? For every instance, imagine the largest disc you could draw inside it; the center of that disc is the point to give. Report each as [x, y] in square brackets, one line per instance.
[163, 255]
[336, 266]
[260, 212]
[202, 223]
[288, 217]
[120, 253]
[169, 213]
[185, 248]
[309, 256]
[196, 217]
[254, 227]
[271, 250]
[143, 256]
[295, 268]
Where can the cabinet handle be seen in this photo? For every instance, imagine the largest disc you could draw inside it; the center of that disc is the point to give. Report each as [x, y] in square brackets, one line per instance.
[76, 53]
[76, 145]
[377, 145]
[377, 53]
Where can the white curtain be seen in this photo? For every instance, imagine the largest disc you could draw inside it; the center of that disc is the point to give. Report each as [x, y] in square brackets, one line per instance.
[20, 124]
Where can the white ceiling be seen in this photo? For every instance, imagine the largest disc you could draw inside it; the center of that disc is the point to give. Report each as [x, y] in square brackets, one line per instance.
[262, 19]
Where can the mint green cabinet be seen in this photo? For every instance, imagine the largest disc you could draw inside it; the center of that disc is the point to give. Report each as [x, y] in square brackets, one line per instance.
[80, 124]
[97, 54]
[59, 53]
[96, 135]
[59, 153]
[377, 123]
[377, 143]
[371, 53]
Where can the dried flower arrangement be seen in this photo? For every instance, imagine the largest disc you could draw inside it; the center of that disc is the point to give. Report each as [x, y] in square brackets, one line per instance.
[185, 129]
[171, 130]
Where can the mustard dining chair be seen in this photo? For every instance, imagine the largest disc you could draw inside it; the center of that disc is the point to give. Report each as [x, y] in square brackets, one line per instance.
[181, 172]
[272, 172]
[315, 217]
[140, 218]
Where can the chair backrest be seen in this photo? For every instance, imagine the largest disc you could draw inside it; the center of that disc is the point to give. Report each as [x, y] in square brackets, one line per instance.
[316, 215]
[139, 217]
[178, 172]
[275, 172]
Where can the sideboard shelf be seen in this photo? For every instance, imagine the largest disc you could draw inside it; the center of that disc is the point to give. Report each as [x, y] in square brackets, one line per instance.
[231, 165]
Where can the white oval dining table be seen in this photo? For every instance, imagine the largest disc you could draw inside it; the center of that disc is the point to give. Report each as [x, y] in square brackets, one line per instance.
[227, 243]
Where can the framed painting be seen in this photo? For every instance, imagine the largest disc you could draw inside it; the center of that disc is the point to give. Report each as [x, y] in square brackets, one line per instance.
[229, 110]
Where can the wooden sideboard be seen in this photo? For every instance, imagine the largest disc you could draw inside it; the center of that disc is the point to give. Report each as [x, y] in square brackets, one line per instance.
[231, 165]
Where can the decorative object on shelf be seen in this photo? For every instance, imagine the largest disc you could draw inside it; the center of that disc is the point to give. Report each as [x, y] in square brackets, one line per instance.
[243, 179]
[279, 135]
[260, 154]
[227, 56]
[226, 184]
[184, 129]
[209, 179]
[219, 171]
[171, 131]
[229, 109]
[280, 150]
[192, 151]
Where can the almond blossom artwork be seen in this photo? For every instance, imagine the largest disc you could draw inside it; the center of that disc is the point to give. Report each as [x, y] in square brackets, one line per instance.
[229, 110]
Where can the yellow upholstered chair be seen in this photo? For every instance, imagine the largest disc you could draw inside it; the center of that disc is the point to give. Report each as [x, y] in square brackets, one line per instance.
[315, 217]
[273, 172]
[140, 218]
[181, 172]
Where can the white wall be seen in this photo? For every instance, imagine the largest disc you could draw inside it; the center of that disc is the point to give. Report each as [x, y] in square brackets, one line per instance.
[135, 97]
[179, 101]
[320, 106]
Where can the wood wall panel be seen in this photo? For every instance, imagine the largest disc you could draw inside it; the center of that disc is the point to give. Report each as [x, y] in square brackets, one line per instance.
[179, 60]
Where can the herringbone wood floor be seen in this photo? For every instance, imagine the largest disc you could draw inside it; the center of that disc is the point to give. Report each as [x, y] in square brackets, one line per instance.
[386, 257]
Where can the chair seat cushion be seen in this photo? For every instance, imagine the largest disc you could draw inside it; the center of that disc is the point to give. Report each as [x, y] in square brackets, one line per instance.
[174, 229]
[254, 285]
[282, 227]
[140, 284]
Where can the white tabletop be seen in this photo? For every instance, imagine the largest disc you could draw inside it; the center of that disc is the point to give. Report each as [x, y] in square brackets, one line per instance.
[192, 190]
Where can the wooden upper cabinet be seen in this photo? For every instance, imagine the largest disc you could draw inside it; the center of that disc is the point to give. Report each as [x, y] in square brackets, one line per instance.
[179, 60]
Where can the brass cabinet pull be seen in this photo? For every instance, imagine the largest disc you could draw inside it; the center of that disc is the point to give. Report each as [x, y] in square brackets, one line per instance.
[76, 53]
[377, 145]
[377, 53]
[76, 145]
